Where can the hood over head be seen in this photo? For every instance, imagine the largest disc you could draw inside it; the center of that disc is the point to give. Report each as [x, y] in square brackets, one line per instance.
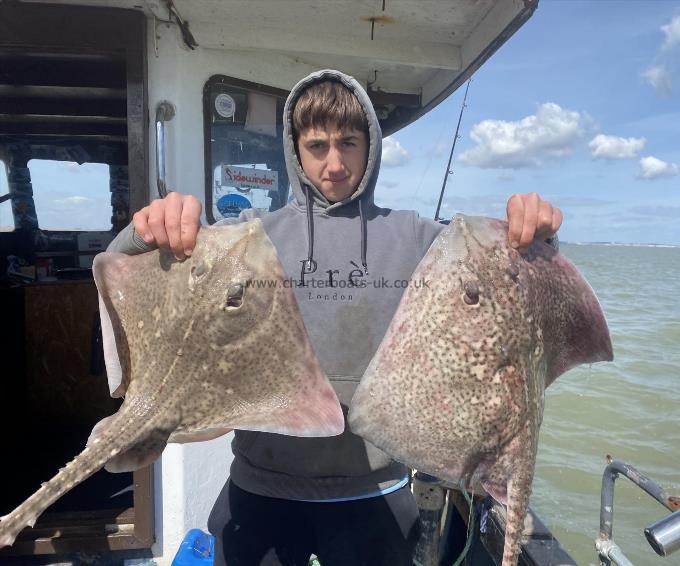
[303, 189]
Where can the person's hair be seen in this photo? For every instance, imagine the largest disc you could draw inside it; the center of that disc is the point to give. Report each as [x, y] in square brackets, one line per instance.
[328, 104]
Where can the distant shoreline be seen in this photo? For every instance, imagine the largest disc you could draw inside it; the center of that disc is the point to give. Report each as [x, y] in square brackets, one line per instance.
[621, 244]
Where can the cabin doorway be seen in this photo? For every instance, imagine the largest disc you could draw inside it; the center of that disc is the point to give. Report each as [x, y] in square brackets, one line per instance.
[73, 147]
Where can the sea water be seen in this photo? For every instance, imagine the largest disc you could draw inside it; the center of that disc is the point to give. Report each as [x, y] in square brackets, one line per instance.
[628, 408]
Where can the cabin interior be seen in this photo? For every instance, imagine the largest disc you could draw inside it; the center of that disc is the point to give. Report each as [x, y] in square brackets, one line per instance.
[62, 103]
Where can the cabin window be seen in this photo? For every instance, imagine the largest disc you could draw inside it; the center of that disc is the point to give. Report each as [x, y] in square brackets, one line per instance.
[69, 196]
[245, 165]
[6, 218]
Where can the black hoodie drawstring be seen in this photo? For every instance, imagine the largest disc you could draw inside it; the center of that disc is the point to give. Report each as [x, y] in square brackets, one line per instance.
[362, 219]
[310, 233]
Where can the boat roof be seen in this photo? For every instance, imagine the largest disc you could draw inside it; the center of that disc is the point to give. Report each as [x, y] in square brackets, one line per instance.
[410, 54]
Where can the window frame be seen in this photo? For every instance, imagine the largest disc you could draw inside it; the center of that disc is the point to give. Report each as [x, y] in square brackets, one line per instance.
[227, 81]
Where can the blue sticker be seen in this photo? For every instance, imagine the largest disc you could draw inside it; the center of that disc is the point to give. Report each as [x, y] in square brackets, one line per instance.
[230, 206]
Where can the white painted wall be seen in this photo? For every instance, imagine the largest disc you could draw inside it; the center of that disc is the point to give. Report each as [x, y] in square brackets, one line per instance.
[187, 480]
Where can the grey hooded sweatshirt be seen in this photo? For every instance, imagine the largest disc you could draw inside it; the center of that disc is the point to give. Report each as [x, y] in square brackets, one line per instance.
[351, 260]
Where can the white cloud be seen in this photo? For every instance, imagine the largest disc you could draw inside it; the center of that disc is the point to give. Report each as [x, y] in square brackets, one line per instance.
[659, 75]
[58, 210]
[548, 134]
[653, 168]
[393, 154]
[74, 200]
[672, 32]
[613, 147]
[660, 78]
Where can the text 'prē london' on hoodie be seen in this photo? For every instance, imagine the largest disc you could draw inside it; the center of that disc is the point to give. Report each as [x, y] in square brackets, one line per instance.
[367, 252]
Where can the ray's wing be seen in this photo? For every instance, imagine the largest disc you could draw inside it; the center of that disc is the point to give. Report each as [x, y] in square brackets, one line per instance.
[287, 393]
[114, 274]
[574, 326]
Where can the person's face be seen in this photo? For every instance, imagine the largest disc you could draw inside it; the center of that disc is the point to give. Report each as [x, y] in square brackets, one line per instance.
[333, 161]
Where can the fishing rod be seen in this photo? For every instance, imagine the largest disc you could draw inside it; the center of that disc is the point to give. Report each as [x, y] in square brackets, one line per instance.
[453, 147]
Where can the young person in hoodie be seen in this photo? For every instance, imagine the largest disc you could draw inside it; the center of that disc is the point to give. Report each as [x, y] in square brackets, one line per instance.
[340, 498]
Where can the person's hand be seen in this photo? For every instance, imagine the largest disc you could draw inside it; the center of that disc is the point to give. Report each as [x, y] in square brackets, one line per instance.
[171, 223]
[529, 218]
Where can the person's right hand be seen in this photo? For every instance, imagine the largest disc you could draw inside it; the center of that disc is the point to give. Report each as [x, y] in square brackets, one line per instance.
[171, 223]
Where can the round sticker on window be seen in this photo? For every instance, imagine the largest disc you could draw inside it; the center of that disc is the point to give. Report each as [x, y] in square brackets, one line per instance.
[230, 206]
[225, 105]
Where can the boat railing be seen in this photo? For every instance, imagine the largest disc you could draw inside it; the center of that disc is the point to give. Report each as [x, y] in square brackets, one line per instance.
[663, 535]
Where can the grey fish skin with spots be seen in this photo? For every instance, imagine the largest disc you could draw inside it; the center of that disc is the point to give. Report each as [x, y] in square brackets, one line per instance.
[456, 387]
[197, 348]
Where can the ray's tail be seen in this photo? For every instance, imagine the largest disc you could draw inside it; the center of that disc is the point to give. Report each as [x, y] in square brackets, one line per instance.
[519, 489]
[513, 528]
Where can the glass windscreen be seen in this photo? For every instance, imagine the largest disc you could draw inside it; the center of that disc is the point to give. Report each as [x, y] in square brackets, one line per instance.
[71, 197]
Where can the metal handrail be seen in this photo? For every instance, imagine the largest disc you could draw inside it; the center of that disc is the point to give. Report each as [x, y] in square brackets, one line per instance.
[165, 112]
[608, 550]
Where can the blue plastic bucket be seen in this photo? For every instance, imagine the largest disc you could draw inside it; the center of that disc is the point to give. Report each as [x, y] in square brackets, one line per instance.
[197, 549]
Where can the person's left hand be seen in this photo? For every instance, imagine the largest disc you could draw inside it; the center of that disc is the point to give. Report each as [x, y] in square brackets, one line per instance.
[529, 218]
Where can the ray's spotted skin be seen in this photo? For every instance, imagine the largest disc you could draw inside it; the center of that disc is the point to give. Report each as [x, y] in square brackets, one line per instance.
[197, 348]
[456, 388]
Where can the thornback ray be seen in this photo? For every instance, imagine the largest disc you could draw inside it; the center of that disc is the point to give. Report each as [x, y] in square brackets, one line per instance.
[456, 388]
[197, 348]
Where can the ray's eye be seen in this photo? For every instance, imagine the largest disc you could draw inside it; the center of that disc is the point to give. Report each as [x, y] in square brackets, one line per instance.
[235, 295]
[471, 296]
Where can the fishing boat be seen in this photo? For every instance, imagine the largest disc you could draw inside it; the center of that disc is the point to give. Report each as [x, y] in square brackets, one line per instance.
[184, 94]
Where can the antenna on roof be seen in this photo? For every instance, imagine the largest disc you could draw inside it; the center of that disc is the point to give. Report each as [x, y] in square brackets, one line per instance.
[453, 147]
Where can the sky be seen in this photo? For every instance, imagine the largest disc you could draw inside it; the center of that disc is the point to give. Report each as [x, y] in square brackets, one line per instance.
[581, 105]
[67, 196]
